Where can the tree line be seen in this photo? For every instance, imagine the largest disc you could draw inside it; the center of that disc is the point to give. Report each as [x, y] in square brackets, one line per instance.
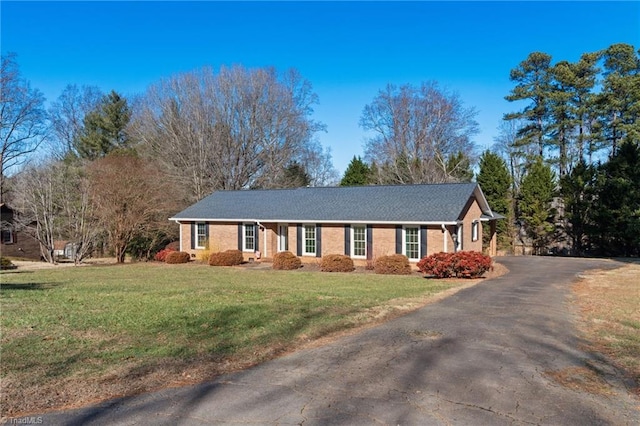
[563, 171]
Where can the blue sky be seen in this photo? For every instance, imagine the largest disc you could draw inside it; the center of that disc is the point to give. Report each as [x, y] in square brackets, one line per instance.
[347, 50]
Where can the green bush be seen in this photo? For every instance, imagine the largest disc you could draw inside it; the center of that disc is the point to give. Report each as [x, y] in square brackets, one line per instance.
[395, 264]
[226, 258]
[6, 263]
[177, 257]
[336, 263]
[285, 260]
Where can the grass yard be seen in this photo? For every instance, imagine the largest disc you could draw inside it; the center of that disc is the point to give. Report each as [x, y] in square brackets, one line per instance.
[609, 303]
[75, 335]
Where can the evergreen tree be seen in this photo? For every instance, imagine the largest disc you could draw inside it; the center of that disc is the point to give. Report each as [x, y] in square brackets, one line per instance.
[618, 103]
[533, 80]
[495, 180]
[105, 128]
[578, 193]
[295, 176]
[615, 227]
[358, 173]
[535, 204]
[459, 167]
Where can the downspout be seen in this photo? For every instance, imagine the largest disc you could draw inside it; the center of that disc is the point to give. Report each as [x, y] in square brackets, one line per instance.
[264, 228]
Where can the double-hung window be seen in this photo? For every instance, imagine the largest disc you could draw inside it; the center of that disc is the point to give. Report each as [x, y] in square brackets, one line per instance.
[309, 240]
[249, 240]
[201, 235]
[412, 242]
[359, 241]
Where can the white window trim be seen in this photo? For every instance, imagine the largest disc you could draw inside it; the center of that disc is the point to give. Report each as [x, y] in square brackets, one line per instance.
[404, 242]
[304, 239]
[475, 227]
[282, 226]
[353, 242]
[244, 237]
[197, 235]
[8, 232]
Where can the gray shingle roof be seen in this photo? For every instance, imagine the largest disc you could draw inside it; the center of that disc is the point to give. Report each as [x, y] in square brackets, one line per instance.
[372, 204]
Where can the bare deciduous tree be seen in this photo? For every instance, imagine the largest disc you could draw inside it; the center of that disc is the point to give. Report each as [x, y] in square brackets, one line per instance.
[23, 124]
[37, 203]
[128, 196]
[67, 115]
[235, 129]
[417, 131]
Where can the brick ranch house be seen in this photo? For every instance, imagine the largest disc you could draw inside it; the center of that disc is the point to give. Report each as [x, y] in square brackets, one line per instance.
[363, 222]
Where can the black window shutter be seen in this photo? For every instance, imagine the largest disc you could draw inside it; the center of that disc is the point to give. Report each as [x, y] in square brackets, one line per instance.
[256, 233]
[318, 240]
[398, 239]
[423, 241]
[240, 236]
[369, 242]
[193, 236]
[299, 239]
[347, 240]
[207, 244]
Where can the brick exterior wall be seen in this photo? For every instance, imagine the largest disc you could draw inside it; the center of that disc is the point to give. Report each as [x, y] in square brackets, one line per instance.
[473, 213]
[224, 236]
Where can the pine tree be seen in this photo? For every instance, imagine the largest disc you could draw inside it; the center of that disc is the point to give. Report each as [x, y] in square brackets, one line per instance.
[358, 173]
[495, 180]
[535, 204]
[619, 101]
[533, 80]
[105, 128]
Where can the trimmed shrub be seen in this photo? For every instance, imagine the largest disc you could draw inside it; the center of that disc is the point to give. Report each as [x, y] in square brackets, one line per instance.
[463, 264]
[226, 258]
[440, 265]
[161, 256]
[395, 264]
[177, 257]
[336, 263]
[285, 260]
[471, 264]
[6, 264]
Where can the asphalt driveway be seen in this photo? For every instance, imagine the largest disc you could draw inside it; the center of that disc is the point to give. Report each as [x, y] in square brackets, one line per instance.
[479, 357]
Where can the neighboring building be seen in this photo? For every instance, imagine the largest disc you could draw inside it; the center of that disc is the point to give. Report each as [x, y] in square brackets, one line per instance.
[363, 222]
[14, 243]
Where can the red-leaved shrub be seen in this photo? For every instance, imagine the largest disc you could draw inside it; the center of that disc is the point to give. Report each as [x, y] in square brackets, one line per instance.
[463, 264]
[161, 256]
[177, 257]
[439, 265]
[285, 260]
[336, 263]
[395, 264]
[226, 258]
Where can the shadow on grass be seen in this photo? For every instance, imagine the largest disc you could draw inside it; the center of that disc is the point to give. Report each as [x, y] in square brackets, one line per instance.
[26, 286]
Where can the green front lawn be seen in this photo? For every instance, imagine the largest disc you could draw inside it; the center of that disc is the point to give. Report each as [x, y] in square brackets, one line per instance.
[67, 327]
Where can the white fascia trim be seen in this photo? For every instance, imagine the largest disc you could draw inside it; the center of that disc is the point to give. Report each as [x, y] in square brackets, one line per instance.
[340, 222]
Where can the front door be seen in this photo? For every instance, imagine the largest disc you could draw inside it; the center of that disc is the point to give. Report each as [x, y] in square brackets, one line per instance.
[283, 237]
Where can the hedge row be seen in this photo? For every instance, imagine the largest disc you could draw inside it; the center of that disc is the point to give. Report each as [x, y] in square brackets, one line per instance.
[463, 264]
